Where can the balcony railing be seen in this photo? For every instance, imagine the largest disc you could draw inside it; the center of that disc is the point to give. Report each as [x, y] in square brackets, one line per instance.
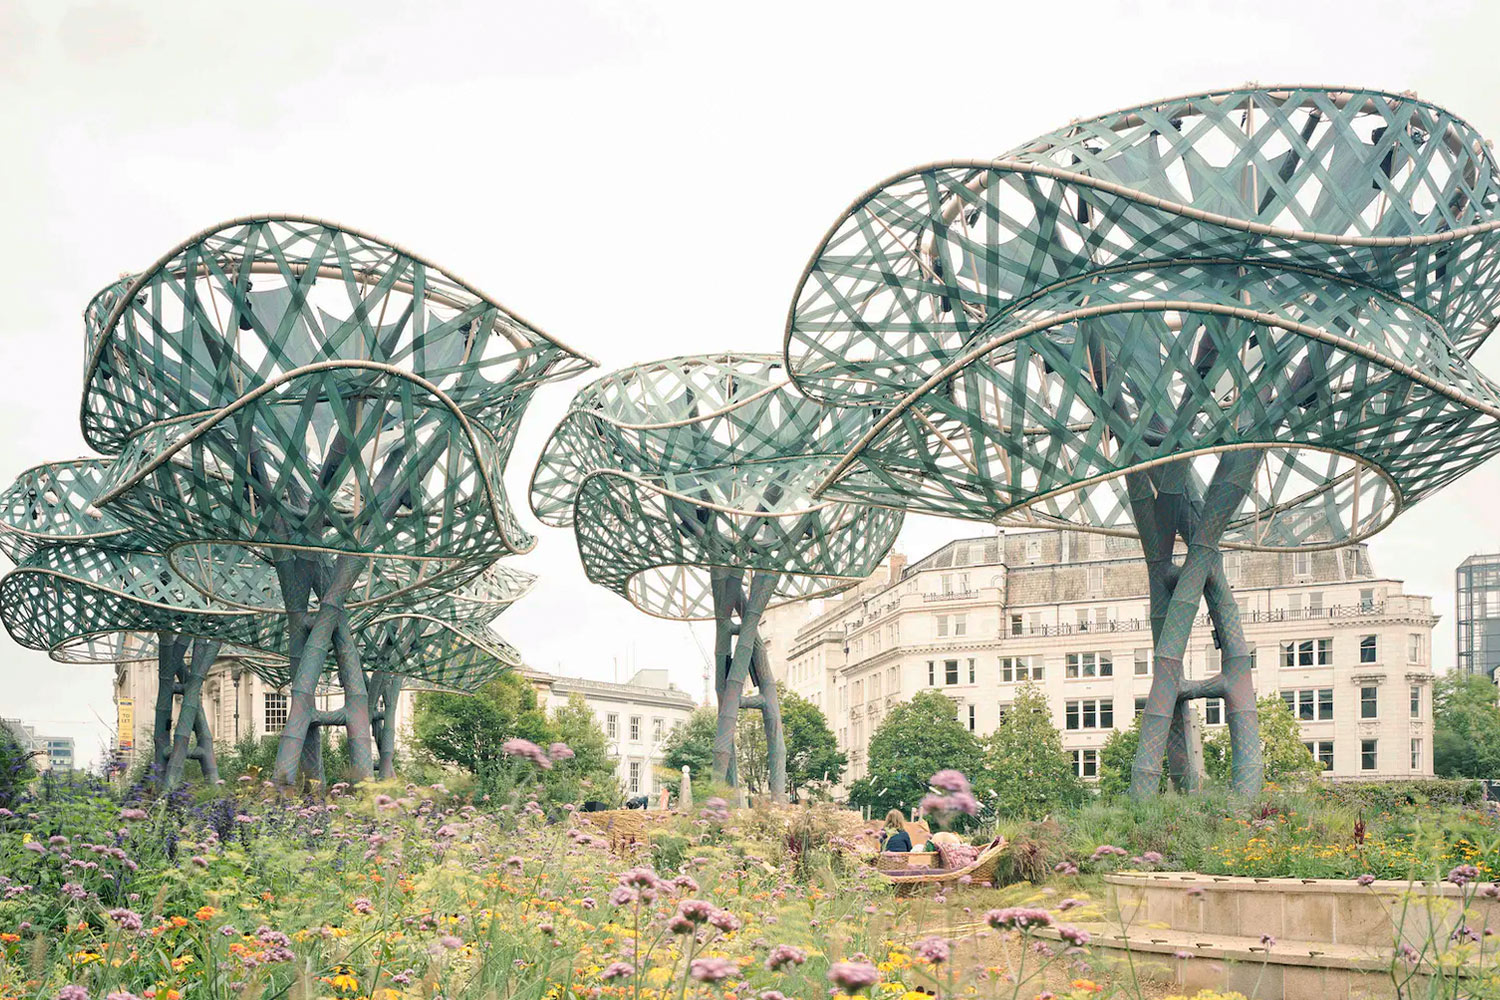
[1363, 609]
[952, 595]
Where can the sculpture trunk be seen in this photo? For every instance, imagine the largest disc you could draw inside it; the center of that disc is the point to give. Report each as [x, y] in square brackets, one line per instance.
[762, 585]
[770, 713]
[313, 658]
[1160, 514]
[356, 704]
[190, 717]
[169, 653]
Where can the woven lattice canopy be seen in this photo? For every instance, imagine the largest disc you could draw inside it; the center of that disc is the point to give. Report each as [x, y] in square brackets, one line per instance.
[672, 470]
[1303, 272]
[291, 385]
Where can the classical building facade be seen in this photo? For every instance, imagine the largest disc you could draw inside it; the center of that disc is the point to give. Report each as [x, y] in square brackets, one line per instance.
[239, 704]
[1347, 649]
[636, 717]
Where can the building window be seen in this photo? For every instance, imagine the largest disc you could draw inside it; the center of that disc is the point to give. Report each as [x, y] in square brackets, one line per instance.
[1416, 701]
[1090, 713]
[1367, 598]
[1416, 754]
[1367, 649]
[1020, 668]
[931, 674]
[658, 729]
[612, 726]
[960, 624]
[1095, 580]
[1017, 627]
[1416, 648]
[1232, 568]
[635, 728]
[1367, 755]
[1033, 550]
[1213, 711]
[1086, 763]
[1322, 751]
[1310, 704]
[1302, 564]
[1307, 653]
[277, 706]
[1315, 604]
[950, 671]
[973, 674]
[1089, 665]
[971, 718]
[1369, 705]
[635, 777]
[1213, 660]
[1140, 706]
[1004, 711]
[942, 626]
[1143, 663]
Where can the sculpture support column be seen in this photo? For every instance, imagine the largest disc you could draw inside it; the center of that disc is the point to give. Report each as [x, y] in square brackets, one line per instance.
[1231, 483]
[170, 649]
[312, 660]
[770, 713]
[762, 585]
[190, 717]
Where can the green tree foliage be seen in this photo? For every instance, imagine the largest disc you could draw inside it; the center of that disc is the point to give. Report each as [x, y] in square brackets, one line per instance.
[692, 744]
[1116, 758]
[590, 774]
[912, 743]
[467, 731]
[1027, 774]
[813, 758]
[1465, 727]
[1287, 760]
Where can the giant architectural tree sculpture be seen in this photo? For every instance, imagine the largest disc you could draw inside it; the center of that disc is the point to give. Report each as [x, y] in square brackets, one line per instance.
[687, 484]
[306, 427]
[1233, 319]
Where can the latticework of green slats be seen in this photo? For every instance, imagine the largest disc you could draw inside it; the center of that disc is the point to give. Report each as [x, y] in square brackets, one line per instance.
[670, 469]
[308, 428]
[687, 483]
[1238, 318]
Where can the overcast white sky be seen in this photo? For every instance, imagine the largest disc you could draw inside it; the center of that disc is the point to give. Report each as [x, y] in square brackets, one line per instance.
[640, 179]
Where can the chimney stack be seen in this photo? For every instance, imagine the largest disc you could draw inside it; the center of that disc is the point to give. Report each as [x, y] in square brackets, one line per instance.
[898, 565]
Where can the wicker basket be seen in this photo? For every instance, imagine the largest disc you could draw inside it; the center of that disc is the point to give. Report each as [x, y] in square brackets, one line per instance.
[901, 860]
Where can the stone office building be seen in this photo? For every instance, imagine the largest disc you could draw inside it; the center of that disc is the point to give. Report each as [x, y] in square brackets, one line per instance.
[1347, 649]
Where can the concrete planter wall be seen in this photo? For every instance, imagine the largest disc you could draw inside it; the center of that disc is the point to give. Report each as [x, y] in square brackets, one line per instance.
[1331, 911]
[1335, 939]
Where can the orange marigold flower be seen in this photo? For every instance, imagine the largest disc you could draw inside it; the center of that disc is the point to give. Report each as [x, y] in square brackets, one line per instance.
[206, 913]
[179, 921]
[9, 938]
[1087, 985]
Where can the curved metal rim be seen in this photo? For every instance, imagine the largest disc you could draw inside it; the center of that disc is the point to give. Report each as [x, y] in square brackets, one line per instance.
[1109, 187]
[215, 417]
[139, 280]
[1165, 305]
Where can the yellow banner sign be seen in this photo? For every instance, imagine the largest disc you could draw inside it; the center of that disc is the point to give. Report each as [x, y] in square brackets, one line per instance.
[126, 724]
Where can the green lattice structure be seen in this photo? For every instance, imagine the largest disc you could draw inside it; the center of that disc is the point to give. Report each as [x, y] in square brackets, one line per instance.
[306, 430]
[688, 485]
[1241, 318]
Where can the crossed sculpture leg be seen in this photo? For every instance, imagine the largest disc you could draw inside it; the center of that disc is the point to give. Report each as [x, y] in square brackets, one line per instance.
[182, 665]
[1165, 507]
[740, 655]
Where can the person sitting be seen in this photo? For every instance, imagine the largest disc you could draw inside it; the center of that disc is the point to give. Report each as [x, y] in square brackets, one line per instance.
[894, 839]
